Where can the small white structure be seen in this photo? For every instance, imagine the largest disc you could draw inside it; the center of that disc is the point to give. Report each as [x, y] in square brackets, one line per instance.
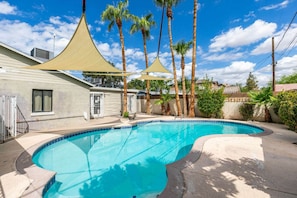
[109, 101]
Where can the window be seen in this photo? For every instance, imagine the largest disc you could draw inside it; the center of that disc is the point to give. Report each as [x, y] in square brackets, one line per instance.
[42, 100]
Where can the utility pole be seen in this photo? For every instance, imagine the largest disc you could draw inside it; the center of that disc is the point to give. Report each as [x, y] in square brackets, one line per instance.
[273, 66]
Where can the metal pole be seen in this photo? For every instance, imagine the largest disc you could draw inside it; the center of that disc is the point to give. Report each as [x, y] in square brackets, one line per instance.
[54, 45]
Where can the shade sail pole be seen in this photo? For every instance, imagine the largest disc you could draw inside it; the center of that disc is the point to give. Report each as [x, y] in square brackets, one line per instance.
[84, 6]
[161, 27]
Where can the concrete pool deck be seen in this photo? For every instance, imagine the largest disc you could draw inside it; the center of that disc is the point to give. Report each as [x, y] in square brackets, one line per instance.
[218, 166]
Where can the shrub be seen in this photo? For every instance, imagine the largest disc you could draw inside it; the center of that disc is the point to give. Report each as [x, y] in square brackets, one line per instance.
[247, 111]
[126, 114]
[263, 97]
[285, 106]
[288, 114]
[281, 97]
[210, 102]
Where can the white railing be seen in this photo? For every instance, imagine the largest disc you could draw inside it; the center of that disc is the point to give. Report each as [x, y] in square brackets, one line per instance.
[8, 117]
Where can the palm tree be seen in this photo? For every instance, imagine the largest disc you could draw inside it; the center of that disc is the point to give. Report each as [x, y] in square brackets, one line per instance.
[181, 48]
[193, 79]
[144, 24]
[164, 98]
[115, 15]
[263, 97]
[169, 4]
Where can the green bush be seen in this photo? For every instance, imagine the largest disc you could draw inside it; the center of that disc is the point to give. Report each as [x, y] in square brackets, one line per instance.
[263, 97]
[247, 111]
[288, 114]
[126, 114]
[285, 106]
[210, 101]
[282, 97]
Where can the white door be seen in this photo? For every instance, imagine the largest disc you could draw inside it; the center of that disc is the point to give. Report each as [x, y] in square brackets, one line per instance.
[131, 103]
[97, 100]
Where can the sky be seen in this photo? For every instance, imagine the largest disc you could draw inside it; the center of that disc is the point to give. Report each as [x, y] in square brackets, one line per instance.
[234, 38]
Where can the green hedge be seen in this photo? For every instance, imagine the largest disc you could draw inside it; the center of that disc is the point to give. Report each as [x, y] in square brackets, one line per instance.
[247, 111]
[210, 102]
[285, 106]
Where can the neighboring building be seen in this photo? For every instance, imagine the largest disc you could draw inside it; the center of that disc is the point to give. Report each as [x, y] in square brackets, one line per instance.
[214, 84]
[229, 89]
[285, 87]
[46, 99]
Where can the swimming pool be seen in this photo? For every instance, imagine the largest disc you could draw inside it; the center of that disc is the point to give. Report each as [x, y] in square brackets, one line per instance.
[125, 162]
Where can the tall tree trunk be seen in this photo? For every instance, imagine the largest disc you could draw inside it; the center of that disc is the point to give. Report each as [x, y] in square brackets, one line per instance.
[124, 69]
[184, 85]
[192, 98]
[174, 69]
[163, 104]
[148, 102]
[267, 115]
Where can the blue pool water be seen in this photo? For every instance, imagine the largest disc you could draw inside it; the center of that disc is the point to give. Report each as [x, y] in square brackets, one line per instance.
[124, 162]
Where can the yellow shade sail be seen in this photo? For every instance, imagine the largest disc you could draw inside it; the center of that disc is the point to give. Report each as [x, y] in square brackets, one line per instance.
[109, 74]
[148, 77]
[156, 67]
[80, 54]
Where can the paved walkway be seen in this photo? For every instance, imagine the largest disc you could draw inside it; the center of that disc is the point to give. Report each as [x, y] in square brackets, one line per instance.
[218, 166]
[242, 166]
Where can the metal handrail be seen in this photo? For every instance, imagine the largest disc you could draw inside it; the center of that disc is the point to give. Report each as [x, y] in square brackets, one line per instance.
[22, 124]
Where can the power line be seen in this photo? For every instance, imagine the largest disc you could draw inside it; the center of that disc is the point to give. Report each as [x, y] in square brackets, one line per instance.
[286, 31]
[262, 61]
[289, 46]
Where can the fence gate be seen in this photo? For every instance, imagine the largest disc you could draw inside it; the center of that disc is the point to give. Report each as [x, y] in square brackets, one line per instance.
[8, 116]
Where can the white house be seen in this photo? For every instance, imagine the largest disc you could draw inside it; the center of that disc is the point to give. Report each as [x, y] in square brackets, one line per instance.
[45, 99]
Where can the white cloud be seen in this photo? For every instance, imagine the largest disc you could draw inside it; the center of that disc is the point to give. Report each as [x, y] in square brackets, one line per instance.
[281, 5]
[287, 63]
[133, 67]
[6, 8]
[249, 16]
[237, 72]
[134, 56]
[266, 46]
[188, 70]
[285, 66]
[237, 37]
[224, 56]
[40, 8]
[24, 36]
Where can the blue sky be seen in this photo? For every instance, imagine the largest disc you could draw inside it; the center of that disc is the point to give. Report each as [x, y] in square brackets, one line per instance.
[233, 37]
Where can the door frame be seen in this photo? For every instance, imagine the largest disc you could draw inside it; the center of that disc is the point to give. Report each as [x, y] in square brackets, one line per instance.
[93, 105]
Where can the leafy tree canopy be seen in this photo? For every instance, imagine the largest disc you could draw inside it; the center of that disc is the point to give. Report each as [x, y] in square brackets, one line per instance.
[136, 84]
[103, 79]
[288, 79]
[210, 101]
[251, 83]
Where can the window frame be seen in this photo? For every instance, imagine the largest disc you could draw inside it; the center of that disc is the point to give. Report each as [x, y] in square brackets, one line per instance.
[42, 101]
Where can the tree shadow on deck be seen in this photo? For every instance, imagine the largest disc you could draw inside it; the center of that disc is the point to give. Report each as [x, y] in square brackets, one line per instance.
[220, 178]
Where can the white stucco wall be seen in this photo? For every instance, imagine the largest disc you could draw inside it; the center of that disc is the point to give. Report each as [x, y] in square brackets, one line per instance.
[230, 109]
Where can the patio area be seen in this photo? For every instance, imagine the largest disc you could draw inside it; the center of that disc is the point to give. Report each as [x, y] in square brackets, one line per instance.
[262, 165]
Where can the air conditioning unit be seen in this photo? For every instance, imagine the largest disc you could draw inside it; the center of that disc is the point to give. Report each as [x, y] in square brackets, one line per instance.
[41, 54]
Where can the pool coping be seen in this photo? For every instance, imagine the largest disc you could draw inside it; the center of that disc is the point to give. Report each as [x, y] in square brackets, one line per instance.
[41, 179]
